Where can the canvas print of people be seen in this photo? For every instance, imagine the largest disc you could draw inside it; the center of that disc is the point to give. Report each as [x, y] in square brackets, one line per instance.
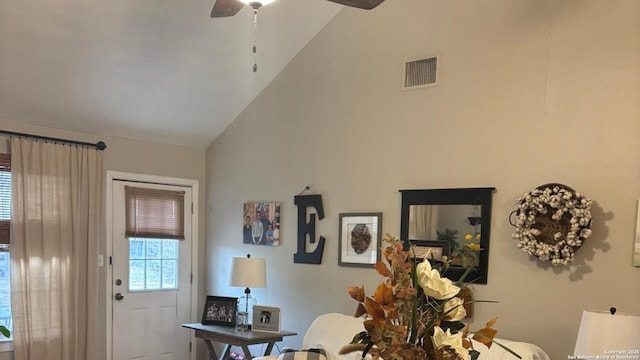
[261, 223]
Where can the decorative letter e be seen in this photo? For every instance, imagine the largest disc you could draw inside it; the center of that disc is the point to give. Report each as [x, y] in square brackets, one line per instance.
[304, 228]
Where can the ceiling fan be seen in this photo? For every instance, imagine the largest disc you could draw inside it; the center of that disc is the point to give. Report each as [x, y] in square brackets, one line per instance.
[225, 8]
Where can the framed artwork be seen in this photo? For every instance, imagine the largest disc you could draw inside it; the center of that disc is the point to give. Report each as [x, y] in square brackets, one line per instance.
[266, 318]
[220, 310]
[261, 223]
[360, 238]
[431, 249]
[636, 252]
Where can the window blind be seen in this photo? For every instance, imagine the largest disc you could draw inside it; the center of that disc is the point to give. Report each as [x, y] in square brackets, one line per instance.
[154, 213]
[5, 198]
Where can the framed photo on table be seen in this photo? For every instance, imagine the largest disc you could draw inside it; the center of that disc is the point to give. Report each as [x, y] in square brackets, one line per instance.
[430, 249]
[266, 318]
[360, 239]
[220, 310]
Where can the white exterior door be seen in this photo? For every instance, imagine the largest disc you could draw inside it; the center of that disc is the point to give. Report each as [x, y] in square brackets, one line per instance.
[151, 286]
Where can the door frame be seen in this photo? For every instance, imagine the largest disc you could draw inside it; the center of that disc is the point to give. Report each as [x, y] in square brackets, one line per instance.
[154, 179]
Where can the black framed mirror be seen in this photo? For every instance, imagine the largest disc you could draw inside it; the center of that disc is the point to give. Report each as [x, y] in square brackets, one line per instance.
[450, 218]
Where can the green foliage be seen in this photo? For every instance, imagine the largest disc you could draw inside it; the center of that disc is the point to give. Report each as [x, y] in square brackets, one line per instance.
[447, 235]
[4, 331]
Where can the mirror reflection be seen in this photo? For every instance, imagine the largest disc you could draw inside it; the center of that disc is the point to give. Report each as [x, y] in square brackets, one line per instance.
[455, 225]
[443, 220]
[426, 221]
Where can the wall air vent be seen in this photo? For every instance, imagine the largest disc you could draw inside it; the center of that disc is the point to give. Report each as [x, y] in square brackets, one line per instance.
[421, 73]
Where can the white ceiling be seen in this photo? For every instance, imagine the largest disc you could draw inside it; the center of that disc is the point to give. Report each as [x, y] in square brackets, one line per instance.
[157, 70]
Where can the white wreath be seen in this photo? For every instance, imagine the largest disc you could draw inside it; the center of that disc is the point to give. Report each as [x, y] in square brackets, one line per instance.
[560, 201]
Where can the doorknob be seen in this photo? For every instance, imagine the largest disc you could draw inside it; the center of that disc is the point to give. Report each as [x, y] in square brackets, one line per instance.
[119, 296]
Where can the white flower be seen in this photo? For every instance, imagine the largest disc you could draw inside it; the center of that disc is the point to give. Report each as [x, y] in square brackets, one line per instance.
[432, 284]
[454, 310]
[440, 338]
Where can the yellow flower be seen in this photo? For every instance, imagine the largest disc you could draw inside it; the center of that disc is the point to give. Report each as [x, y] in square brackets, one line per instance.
[473, 247]
[470, 237]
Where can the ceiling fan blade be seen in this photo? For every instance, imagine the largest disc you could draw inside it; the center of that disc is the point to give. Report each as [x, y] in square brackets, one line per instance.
[224, 8]
[360, 4]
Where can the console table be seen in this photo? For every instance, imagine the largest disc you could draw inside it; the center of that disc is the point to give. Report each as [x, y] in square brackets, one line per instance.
[230, 337]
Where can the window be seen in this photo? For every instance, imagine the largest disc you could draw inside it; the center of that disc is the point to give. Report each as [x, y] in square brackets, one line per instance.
[153, 264]
[154, 227]
[5, 218]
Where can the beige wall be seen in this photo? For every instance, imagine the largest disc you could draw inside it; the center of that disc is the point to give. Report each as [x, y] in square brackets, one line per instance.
[531, 92]
[138, 157]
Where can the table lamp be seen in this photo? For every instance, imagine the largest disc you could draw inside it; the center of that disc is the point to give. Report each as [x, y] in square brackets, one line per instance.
[249, 273]
[607, 333]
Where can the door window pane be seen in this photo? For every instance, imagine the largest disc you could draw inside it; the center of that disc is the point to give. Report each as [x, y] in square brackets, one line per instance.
[169, 249]
[154, 249]
[153, 264]
[136, 275]
[136, 249]
[169, 271]
[154, 272]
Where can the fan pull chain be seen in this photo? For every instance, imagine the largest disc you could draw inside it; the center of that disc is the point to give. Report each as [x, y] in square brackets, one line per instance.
[255, 40]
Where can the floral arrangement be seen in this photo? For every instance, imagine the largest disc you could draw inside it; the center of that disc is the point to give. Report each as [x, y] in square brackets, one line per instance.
[415, 313]
[552, 222]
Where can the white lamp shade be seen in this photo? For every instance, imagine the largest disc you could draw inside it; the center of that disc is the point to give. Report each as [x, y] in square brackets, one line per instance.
[602, 334]
[248, 272]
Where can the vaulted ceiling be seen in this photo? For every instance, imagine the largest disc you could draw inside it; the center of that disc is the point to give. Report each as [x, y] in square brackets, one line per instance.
[157, 70]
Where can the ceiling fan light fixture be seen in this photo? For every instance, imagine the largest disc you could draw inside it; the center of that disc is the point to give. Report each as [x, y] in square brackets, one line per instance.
[226, 8]
[257, 4]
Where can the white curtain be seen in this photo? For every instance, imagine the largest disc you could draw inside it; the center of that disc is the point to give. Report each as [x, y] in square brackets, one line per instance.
[423, 221]
[56, 224]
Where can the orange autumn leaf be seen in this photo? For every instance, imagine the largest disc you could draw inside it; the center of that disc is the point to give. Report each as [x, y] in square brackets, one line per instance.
[465, 330]
[357, 293]
[387, 252]
[384, 294]
[374, 309]
[491, 322]
[351, 348]
[369, 325]
[392, 311]
[382, 269]
[361, 310]
[467, 344]
[486, 334]
[407, 354]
